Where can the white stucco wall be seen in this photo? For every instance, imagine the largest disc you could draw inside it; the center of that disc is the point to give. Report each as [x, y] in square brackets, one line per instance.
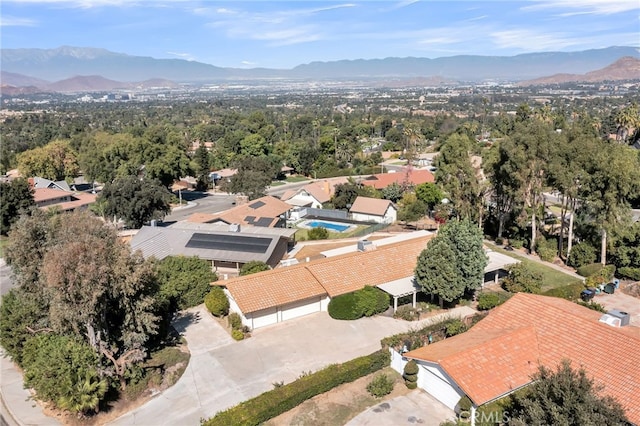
[390, 216]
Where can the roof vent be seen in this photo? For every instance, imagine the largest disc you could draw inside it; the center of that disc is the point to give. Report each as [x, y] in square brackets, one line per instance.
[623, 316]
[289, 262]
[234, 227]
[366, 245]
[610, 320]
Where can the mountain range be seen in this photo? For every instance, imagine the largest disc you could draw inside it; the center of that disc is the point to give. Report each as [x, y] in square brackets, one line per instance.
[78, 68]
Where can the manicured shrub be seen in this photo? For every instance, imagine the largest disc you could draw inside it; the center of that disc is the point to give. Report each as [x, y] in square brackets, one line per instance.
[365, 302]
[589, 269]
[235, 321]
[603, 276]
[410, 374]
[499, 241]
[343, 307]
[489, 300]
[522, 278]
[465, 403]
[455, 327]
[516, 243]
[582, 254]
[216, 302]
[237, 335]
[318, 233]
[380, 386]
[283, 398]
[569, 292]
[630, 273]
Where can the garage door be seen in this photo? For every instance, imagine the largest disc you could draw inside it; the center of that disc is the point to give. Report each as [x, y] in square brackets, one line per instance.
[298, 309]
[436, 386]
[264, 317]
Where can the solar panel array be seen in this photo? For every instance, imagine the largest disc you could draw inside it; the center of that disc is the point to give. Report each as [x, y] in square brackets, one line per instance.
[257, 205]
[229, 242]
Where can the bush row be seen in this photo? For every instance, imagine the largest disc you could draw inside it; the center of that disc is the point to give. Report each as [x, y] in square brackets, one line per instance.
[630, 273]
[569, 292]
[283, 398]
[365, 302]
[489, 300]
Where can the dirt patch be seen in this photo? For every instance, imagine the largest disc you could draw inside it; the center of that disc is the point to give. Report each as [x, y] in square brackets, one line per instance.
[340, 404]
[631, 288]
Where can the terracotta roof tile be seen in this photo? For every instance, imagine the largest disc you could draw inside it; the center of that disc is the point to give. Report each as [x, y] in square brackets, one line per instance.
[412, 176]
[251, 213]
[334, 276]
[531, 330]
[372, 206]
[276, 287]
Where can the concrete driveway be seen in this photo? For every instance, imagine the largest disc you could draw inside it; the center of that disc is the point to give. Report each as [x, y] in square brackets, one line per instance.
[417, 407]
[222, 372]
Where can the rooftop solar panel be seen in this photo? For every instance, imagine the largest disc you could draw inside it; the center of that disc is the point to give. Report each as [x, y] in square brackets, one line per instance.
[229, 242]
[250, 219]
[256, 205]
[263, 221]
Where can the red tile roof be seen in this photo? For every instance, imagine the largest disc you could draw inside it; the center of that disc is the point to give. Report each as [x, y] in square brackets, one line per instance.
[411, 176]
[265, 208]
[332, 276]
[503, 351]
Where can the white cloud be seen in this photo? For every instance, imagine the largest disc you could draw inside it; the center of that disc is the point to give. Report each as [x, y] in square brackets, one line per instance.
[187, 56]
[12, 21]
[598, 7]
[531, 41]
[248, 63]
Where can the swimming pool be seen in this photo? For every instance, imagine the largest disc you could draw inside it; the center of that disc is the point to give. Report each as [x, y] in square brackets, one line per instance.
[329, 225]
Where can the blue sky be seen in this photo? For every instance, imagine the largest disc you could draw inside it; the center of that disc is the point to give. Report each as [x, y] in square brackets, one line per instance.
[285, 34]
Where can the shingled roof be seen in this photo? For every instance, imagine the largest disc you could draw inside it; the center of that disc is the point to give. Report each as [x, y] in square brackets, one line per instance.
[411, 176]
[502, 352]
[263, 212]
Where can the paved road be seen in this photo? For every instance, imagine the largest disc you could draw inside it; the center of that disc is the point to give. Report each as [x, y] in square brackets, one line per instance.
[222, 373]
[205, 203]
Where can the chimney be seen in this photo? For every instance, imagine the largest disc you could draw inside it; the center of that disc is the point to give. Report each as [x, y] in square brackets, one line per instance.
[366, 245]
[234, 227]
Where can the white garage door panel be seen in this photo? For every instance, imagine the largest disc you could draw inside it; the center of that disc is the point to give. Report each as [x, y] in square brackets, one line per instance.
[265, 317]
[438, 388]
[298, 309]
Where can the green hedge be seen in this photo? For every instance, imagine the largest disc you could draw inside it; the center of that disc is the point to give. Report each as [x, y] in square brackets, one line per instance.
[569, 292]
[630, 273]
[489, 300]
[362, 303]
[216, 302]
[282, 399]
[589, 269]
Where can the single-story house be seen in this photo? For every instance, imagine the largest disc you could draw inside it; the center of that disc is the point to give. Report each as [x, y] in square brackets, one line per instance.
[66, 201]
[407, 175]
[502, 352]
[226, 249]
[267, 211]
[40, 183]
[314, 194]
[365, 209]
[273, 296]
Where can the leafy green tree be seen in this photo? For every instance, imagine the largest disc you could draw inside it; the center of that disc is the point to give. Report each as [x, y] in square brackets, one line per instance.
[458, 178]
[465, 239]
[20, 312]
[393, 192]
[564, 397]
[95, 289]
[253, 177]
[613, 178]
[62, 370]
[436, 271]
[346, 193]
[522, 278]
[55, 161]
[184, 281]
[452, 262]
[411, 208]
[217, 302]
[253, 267]
[135, 200]
[15, 197]
[203, 166]
[430, 194]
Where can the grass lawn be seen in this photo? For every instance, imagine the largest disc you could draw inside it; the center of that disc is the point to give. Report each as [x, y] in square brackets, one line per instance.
[277, 183]
[293, 179]
[551, 278]
[303, 234]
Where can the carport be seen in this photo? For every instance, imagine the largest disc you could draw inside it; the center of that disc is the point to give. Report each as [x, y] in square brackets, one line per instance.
[497, 263]
[400, 288]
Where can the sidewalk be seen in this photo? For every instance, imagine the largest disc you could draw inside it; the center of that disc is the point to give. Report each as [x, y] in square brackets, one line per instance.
[17, 406]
